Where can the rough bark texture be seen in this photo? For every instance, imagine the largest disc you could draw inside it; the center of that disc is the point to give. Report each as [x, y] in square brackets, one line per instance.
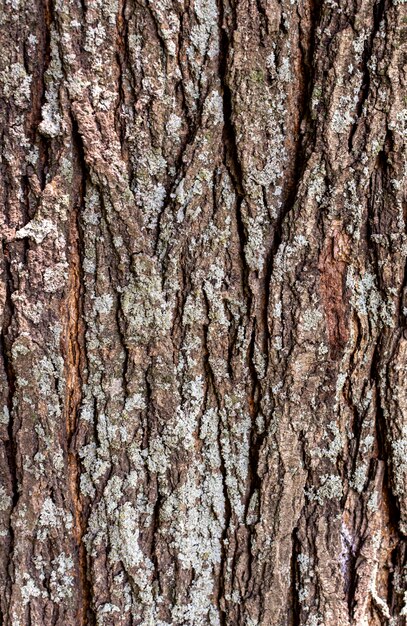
[204, 313]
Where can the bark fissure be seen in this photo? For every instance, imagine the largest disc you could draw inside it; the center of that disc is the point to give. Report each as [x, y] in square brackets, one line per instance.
[75, 359]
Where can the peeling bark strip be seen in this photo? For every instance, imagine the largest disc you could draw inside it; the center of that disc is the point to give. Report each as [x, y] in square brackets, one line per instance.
[203, 294]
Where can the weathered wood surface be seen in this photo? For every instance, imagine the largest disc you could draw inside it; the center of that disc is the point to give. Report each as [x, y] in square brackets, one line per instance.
[203, 296]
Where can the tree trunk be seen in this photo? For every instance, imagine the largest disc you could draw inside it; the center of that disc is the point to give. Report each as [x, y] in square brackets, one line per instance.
[204, 313]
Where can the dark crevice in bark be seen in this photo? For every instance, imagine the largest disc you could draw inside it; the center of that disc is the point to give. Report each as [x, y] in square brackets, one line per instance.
[373, 207]
[225, 536]
[382, 356]
[75, 363]
[149, 416]
[206, 354]
[403, 303]
[6, 340]
[256, 439]
[351, 577]
[398, 564]
[294, 615]
[39, 90]
[10, 444]
[155, 526]
[123, 62]
[379, 202]
[178, 330]
[378, 13]
[264, 22]
[255, 394]
[180, 87]
[231, 154]
[120, 323]
[5, 349]
[43, 56]
[382, 436]
[356, 424]
[232, 337]
[27, 209]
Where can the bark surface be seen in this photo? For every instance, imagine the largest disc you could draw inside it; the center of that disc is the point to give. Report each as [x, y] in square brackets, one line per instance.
[203, 298]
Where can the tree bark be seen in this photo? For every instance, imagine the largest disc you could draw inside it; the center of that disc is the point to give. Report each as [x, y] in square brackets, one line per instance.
[203, 369]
